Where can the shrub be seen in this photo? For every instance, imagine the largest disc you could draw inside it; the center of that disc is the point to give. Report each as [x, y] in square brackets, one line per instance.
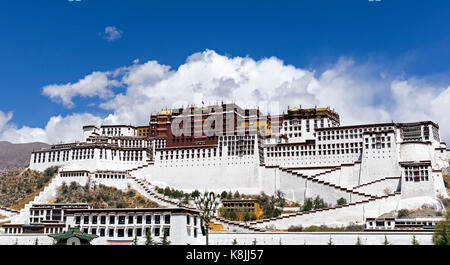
[341, 201]
[308, 205]
[403, 213]
[295, 228]
[441, 234]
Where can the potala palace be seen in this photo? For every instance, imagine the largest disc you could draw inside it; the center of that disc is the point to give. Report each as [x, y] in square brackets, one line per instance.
[377, 168]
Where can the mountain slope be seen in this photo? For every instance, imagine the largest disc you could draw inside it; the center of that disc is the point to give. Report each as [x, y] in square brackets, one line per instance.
[13, 156]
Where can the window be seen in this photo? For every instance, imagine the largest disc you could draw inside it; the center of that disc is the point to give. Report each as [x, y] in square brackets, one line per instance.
[139, 219]
[148, 219]
[130, 232]
[102, 219]
[102, 231]
[94, 219]
[120, 232]
[112, 219]
[86, 220]
[121, 220]
[167, 231]
[139, 232]
[156, 231]
[167, 219]
[94, 231]
[157, 219]
[130, 219]
[188, 219]
[77, 220]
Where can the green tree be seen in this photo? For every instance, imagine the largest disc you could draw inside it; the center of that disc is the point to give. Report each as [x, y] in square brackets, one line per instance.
[358, 241]
[164, 240]
[223, 195]
[341, 201]
[441, 234]
[234, 242]
[237, 195]
[414, 241]
[330, 241]
[308, 205]
[195, 194]
[246, 217]
[207, 204]
[254, 242]
[318, 203]
[148, 238]
[36, 242]
[135, 240]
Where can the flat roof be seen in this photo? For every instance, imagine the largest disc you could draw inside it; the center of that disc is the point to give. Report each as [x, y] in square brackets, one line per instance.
[132, 210]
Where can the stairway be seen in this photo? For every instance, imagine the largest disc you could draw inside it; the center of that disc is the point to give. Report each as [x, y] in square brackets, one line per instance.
[313, 179]
[280, 219]
[148, 190]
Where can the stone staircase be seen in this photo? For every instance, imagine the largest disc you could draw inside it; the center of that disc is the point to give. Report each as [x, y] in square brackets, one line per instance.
[325, 183]
[237, 226]
[375, 181]
[5, 211]
[43, 197]
[330, 210]
[147, 164]
[149, 191]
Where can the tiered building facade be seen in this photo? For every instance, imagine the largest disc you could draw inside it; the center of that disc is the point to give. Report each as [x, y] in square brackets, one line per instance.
[304, 153]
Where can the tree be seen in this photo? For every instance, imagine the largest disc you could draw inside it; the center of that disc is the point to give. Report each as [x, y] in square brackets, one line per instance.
[280, 198]
[341, 201]
[36, 242]
[223, 195]
[386, 241]
[308, 205]
[246, 217]
[135, 241]
[234, 242]
[330, 242]
[318, 203]
[164, 240]
[207, 204]
[403, 213]
[358, 241]
[237, 195]
[441, 234]
[148, 238]
[414, 241]
[254, 242]
[195, 194]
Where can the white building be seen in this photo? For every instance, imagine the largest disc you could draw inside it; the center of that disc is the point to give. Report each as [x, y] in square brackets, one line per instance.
[305, 154]
[113, 226]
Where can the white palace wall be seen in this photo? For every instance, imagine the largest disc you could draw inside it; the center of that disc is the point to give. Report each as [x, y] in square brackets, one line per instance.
[338, 217]
[319, 238]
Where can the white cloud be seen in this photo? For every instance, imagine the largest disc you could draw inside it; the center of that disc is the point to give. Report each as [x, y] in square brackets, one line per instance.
[92, 85]
[58, 129]
[360, 93]
[112, 33]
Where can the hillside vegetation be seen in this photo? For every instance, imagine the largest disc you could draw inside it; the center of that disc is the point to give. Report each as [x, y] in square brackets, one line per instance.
[18, 187]
[102, 197]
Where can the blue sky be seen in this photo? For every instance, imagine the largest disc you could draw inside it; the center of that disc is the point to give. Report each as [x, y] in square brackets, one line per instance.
[48, 42]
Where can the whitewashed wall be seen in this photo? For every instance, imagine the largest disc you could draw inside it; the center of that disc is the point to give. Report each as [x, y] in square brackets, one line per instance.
[319, 238]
